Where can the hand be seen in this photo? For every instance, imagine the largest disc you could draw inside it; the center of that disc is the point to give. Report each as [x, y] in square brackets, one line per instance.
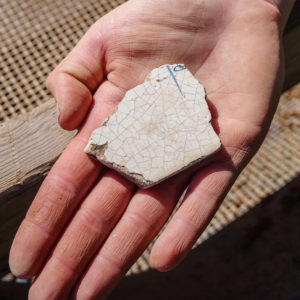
[87, 224]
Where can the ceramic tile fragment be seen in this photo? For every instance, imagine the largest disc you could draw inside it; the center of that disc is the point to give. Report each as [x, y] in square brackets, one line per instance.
[160, 128]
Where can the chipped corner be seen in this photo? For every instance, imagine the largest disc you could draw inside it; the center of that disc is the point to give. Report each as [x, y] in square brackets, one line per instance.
[96, 151]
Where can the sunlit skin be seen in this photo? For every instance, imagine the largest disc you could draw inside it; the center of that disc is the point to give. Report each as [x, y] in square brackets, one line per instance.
[87, 224]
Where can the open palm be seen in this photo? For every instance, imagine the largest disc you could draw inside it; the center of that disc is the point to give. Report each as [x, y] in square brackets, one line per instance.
[87, 224]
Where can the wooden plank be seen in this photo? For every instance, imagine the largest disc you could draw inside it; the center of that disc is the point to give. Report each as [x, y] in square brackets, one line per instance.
[29, 145]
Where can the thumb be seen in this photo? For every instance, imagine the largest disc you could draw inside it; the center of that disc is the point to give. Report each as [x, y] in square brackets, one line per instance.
[76, 78]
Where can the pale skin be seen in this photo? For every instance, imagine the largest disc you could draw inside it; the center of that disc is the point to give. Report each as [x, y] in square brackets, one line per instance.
[87, 224]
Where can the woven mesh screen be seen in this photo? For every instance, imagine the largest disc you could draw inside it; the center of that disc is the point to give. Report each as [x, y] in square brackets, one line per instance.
[36, 35]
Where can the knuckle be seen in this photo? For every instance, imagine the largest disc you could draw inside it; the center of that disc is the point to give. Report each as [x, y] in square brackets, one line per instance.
[52, 202]
[86, 294]
[95, 222]
[115, 264]
[138, 221]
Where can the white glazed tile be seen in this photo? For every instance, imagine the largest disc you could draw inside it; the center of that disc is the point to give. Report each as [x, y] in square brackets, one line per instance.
[160, 128]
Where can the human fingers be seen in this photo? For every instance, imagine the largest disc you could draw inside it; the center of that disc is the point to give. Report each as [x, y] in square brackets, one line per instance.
[89, 227]
[68, 182]
[204, 195]
[146, 213]
[76, 78]
[54, 203]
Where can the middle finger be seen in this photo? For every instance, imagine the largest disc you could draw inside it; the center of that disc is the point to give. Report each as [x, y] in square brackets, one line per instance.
[143, 218]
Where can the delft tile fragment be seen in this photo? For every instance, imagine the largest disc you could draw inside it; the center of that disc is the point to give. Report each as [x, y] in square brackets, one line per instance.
[160, 128]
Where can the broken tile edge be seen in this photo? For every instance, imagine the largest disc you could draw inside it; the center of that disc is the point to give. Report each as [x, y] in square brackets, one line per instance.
[137, 178]
[97, 152]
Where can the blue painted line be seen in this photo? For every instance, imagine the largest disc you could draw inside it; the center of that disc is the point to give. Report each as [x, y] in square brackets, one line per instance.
[179, 68]
[174, 78]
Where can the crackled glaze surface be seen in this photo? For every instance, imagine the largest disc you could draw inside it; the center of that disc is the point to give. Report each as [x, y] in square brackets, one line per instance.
[160, 128]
